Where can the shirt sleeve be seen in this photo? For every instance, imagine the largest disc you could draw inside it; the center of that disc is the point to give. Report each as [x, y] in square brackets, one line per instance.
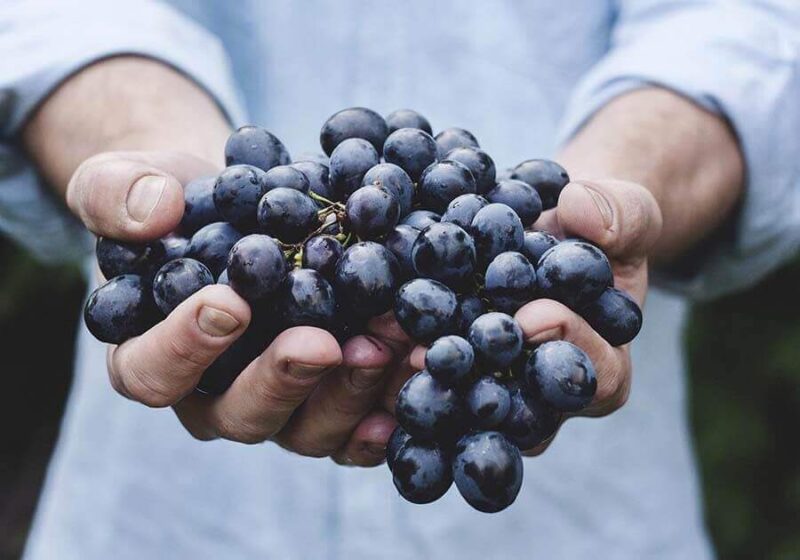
[43, 43]
[739, 60]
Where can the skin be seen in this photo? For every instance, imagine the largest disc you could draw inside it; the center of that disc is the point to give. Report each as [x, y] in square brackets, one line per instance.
[120, 155]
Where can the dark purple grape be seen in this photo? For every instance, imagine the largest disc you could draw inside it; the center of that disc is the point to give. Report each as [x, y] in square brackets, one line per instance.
[286, 177]
[366, 279]
[236, 194]
[420, 219]
[562, 375]
[442, 182]
[504, 174]
[470, 307]
[211, 244]
[253, 145]
[322, 253]
[317, 175]
[313, 157]
[307, 299]
[355, 122]
[426, 309]
[536, 244]
[510, 282]
[406, 118]
[350, 161]
[574, 273]
[288, 215]
[174, 246]
[452, 138]
[400, 241]
[120, 309]
[177, 280]
[372, 212]
[488, 401]
[116, 258]
[411, 149]
[496, 339]
[487, 470]
[256, 267]
[529, 422]
[396, 442]
[521, 197]
[422, 472]
[462, 209]
[444, 252]
[198, 205]
[449, 360]
[397, 181]
[429, 410]
[615, 316]
[479, 163]
[496, 229]
[547, 177]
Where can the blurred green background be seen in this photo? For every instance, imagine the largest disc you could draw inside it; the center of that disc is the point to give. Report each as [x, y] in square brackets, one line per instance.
[744, 355]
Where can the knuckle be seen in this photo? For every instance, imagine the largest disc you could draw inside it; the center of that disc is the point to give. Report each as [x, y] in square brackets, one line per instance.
[188, 352]
[305, 446]
[232, 429]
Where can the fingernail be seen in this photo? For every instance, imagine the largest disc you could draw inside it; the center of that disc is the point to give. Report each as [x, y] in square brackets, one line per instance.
[602, 204]
[365, 378]
[144, 196]
[214, 322]
[546, 336]
[305, 371]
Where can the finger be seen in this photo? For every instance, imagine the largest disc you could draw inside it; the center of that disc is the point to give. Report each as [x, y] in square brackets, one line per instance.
[325, 421]
[367, 446]
[389, 331]
[417, 358]
[401, 373]
[263, 397]
[164, 364]
[544, 320]
[132, 195]
[548, 221]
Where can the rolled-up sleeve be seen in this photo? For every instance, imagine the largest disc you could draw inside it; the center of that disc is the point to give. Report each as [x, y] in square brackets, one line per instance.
[739, 60]
[42, 44]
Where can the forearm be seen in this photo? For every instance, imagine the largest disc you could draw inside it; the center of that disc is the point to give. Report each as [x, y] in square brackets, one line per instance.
[687, 157]
[124, 103]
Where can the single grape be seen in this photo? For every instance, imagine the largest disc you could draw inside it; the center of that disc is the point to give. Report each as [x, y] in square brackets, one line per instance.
[322, 253]
[521, 197]
[177, 280]
[529, 422]
[355, 122]
[504, 174]
[253, 145]
[442, 182]
[120, 309]
[510, 282]
[366, 279]
[406, 118]
[198, 205]
[396, 442]
[615, 316]
[496, 339]
[462, 209]
[479, 163]
[488, 401]
[420, 219]
[470, 307]
[350, 161]
[422, 472]
[562, 375]
[574, 273]
[449, 360]
[487, 470]
[397, 181]
[426, 309]
[444, 252]
[451, 138]
[372, 212]
[288, 215]
[116, 258]
[286, 177]
[411, 149]
[211, 244]
[547, 177]
[256, 267]
[307, 299]
[317, 175]
[400, 242]
[313, 157]
[174, 246]
[429, 410]
[236, 194]
[496, 228]
[536, 244]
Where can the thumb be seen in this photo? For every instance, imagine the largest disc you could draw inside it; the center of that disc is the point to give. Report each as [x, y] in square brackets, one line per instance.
[620, 217]
[133, 196]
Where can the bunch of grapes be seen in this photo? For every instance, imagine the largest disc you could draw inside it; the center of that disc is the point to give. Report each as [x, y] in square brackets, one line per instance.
[391, 219]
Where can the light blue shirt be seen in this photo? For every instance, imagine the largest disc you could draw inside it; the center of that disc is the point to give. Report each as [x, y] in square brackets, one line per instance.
[128, 482]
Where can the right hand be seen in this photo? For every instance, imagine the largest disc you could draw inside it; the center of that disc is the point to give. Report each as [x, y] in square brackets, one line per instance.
[304, 392]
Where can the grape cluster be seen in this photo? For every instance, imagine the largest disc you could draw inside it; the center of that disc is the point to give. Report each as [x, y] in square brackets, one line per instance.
[390, 219]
